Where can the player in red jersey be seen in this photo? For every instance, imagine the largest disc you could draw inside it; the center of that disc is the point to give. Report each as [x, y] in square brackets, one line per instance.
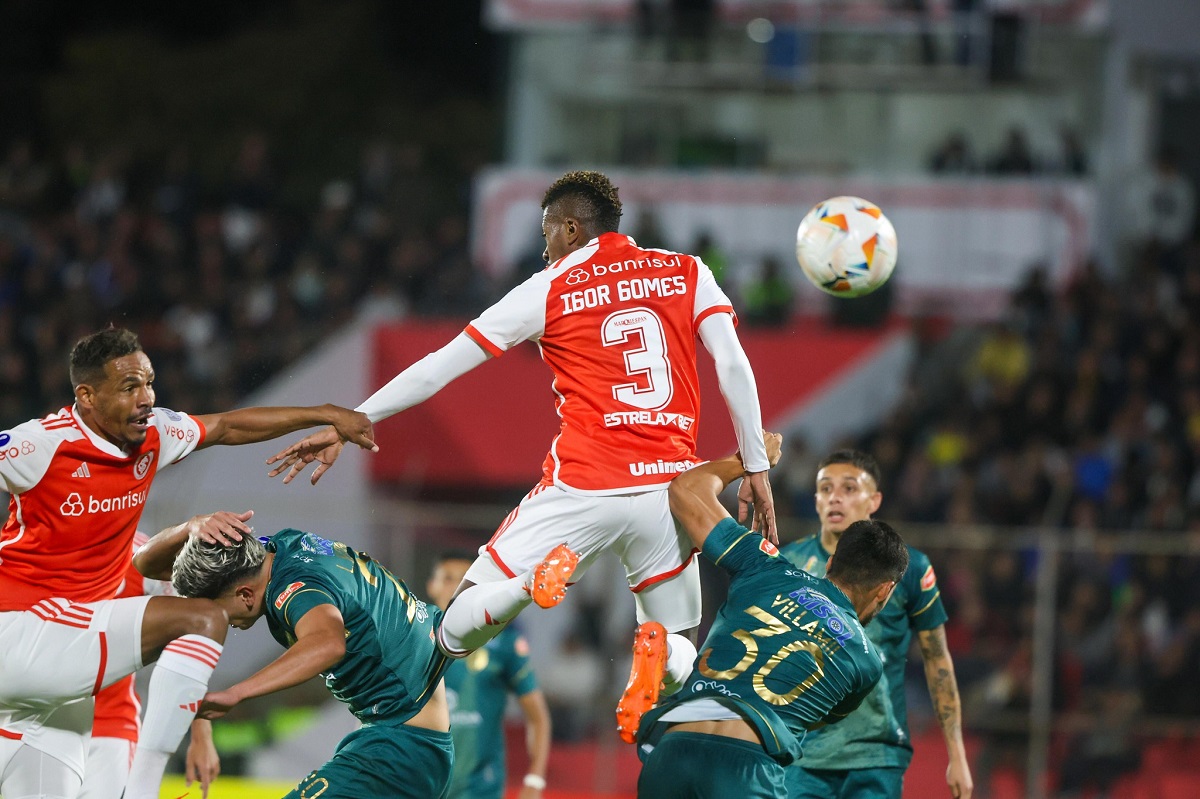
[79, 479]
[117, 718]
[616, 324]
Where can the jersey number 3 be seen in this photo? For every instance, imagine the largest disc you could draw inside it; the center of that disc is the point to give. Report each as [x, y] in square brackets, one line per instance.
[647, 364]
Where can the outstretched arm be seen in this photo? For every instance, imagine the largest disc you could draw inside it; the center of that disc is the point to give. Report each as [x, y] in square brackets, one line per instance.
[251, 425]
[424, 378]
[537, 738]
[694, 495]
[320, 644]
[740, 391]
[943, 690]
[155, 558]
[411, 387]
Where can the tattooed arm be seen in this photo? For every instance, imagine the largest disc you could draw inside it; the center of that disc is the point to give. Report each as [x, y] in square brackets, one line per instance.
[943, 690]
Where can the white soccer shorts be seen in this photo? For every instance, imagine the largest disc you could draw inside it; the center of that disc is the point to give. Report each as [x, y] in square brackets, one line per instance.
[659, 561]
[107, 772]
[53, 658]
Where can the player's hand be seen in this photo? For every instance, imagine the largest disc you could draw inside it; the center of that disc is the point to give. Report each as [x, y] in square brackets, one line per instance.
[322, 448]
[529, 793]
[755, 490]
[774, 443]
[223, 527]
[217, 703]
[203, 762]
[355, 427]
[958, 777]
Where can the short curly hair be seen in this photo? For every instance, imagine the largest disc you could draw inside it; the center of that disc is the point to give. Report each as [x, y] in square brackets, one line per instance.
[589, 196]
[91, 353]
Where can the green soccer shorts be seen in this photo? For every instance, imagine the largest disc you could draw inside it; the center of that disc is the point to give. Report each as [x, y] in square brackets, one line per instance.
[692, 765]
[383, 761]
[882, 782]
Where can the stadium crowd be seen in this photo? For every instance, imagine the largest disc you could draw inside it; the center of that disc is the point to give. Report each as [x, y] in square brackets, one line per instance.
[1079, 414]
[225, 281]
[1079, 411]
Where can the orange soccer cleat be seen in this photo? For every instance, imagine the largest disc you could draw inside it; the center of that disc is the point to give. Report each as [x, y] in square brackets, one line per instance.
[548, 584]
[645, 678]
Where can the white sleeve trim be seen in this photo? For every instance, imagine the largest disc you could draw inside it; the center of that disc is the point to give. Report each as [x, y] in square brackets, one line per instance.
[424, 378]
[738, 387]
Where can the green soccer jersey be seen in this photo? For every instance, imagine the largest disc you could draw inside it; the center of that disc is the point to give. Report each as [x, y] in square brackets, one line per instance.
[478, 687]
[877, 733]
[786, 651]
[392, 664]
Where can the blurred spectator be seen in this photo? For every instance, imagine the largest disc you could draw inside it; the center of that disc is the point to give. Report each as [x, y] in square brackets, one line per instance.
[953, 156]
[650, 19]
[1001, 363]
[22, 180]
[1162, 212]
[767, 299]
[1015, 157]
[571, 679]
[1072, 158]
[1108, 750]
[797, 476]
[648, 231]
[1031, 302]
[966, 33]
[690, 28]
[712, 254]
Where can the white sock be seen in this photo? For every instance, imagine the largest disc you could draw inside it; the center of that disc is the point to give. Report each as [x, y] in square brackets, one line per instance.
[179, 682]
[478, 614]
[681, 656]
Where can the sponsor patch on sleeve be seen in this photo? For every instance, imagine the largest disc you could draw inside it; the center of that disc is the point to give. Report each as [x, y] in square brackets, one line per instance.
[287, 592]
[928, 579]
[768, 548]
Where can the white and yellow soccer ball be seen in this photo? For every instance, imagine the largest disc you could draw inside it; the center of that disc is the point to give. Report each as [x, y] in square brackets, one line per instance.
[846, 246]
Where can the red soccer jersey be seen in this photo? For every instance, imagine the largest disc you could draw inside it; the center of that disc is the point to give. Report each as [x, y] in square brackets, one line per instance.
[118, 711]
[617, 325]
[76, 501]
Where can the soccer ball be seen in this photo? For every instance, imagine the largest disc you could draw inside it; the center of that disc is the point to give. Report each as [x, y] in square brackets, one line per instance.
[846, 247]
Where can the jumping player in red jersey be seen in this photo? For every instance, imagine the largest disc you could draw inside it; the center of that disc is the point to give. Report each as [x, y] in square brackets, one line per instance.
[79, 479]
[117, 718]
[617, 326]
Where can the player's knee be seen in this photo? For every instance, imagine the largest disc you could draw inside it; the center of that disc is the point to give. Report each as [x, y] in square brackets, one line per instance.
[205, 617]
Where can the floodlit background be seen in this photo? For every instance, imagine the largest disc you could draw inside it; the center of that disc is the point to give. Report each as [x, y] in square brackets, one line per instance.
[291, 200]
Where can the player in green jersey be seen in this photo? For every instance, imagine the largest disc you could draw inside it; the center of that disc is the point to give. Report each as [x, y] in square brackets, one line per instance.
[477, 687]
[786, 653]
[867, 754]
[340, 614]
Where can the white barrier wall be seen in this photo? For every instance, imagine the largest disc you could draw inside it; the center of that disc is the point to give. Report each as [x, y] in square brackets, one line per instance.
[964, 244]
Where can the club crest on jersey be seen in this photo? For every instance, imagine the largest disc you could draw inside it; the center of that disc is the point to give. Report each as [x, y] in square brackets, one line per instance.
[768, 548]
[143, 465]
[287, 592]
[929, 579]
